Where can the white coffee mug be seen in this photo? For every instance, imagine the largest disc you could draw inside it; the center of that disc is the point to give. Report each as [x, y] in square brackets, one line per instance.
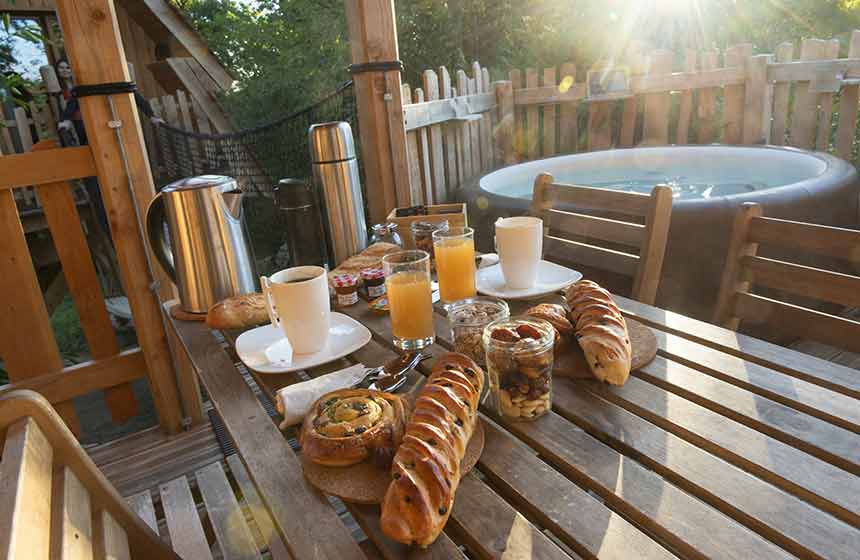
[519, 242]
[297, 300]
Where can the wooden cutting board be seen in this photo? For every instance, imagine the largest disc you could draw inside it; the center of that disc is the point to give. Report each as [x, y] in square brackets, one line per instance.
[570, 361]
[365, 483]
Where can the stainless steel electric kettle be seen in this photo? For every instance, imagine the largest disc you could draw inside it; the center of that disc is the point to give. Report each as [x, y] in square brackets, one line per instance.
[211, 256]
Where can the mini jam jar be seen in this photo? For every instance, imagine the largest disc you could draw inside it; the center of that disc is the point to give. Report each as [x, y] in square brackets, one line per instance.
[519, 365]
[374, 281]
[346, 288]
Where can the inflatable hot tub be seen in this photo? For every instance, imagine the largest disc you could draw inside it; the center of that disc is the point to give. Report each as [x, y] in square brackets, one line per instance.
[709, 182]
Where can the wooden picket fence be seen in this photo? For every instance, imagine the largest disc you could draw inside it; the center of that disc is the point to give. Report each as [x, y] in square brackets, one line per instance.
[182, 111]
[17, 136]
[807, 101]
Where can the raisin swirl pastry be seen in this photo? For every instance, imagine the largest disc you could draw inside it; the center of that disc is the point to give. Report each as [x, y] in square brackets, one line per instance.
[347, 426]
[555, 315]
[601, 331]
[426, 468]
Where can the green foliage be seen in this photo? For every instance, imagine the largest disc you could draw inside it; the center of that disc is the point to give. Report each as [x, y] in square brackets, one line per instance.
[287, 53]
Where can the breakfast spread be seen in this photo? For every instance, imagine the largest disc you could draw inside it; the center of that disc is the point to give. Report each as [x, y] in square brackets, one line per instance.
[426, 469]
[348, 426]
[519, 363]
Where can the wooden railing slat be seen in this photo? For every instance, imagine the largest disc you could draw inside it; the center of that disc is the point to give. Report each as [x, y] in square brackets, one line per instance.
[781, 91]
[830, 49]
[733, 95]
[532, 116]
[465, 147]
[805, 111]
[848, 103]
[110, 539]
[592, 198]
[550, 113]
[25, 503]
[49, 166]
[656, 127]
[62, 385]
[706, 112]
[71, 525]
[453, 174]
[83, 282]
[437, 159]
[568, 134]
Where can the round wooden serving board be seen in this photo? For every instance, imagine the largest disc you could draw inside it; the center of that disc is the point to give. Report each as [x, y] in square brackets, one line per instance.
[570, 361]
[366, 484]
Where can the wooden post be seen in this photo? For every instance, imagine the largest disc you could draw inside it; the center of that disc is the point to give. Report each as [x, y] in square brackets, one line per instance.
[758, 100]
[373, 38]
[504, 131]
[781, 97]
[655, 131]
[93, 43]
[733, 95]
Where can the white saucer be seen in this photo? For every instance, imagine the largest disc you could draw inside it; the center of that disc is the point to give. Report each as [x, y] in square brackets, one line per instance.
[551, 278]
[266, 349]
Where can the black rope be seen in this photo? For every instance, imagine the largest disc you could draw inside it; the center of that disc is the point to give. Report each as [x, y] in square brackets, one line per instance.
[378, 66]
[105, 89]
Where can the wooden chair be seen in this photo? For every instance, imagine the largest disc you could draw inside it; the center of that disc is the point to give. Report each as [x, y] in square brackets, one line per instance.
[745, 268]
[54, 501]
[648, 237]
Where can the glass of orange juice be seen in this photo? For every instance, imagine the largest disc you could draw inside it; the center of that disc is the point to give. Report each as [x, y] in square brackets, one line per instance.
[410, 302]
[455, 263]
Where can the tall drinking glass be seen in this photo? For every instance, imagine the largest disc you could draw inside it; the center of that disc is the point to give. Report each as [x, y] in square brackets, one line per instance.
[455, 263]
[410, 302]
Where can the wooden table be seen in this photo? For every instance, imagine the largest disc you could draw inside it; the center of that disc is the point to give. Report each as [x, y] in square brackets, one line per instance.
[724, 446]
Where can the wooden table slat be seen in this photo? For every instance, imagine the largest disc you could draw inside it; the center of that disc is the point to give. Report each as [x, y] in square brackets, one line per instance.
[836, 408]
[274, 467]
[827, 374]
[781, 517]
[825, 485]
[579, 519]
[814, 436]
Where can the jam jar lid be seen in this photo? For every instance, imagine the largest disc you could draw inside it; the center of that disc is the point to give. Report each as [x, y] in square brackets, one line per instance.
[344, 280]
[384, 229]
[372, 274]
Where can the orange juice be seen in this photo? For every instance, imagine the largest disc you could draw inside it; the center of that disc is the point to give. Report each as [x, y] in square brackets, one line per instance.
[455, 268]
[410, 305]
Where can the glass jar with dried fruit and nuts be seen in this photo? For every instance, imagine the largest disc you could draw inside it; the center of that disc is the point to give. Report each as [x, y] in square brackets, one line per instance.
[422, 233]
[519, 355]
[468, 317]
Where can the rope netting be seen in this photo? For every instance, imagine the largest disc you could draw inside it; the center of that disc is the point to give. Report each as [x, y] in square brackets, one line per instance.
[257, 157]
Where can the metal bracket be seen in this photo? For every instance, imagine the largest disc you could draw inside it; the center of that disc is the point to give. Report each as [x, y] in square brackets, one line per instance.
[114, 124]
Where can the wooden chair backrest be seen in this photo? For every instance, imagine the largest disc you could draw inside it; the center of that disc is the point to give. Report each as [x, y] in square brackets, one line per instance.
[54, 501]
[745, 269]
[649, 237]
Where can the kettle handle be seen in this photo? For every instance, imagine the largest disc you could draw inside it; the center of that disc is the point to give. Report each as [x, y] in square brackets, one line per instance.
[155, 221]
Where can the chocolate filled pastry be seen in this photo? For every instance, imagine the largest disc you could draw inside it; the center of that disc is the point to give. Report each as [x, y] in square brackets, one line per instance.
[601, 331]
[555, 315]
[426, 468]
[347, 426]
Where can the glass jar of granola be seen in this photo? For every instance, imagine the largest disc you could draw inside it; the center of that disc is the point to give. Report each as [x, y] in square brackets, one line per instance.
[468, 317]
[519, 355]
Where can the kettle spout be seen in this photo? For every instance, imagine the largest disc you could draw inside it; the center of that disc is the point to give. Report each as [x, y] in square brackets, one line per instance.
[233, 202]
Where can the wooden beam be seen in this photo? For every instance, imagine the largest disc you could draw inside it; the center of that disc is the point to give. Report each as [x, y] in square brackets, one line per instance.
[808, 70]
[373, 38]
[419, 115]
[48, 166]
[172, 19]
[95, 49]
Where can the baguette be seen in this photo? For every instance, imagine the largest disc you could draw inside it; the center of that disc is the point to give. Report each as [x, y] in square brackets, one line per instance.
[601, 331]
[238, 312]
[426, 468]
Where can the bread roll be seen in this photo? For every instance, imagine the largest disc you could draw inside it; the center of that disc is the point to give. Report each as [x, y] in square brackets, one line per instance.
[350, 425]
[238, 312]
[426, 469]
[601, 331]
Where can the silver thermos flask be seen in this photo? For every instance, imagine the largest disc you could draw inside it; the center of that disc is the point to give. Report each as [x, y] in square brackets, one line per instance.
[335, 170]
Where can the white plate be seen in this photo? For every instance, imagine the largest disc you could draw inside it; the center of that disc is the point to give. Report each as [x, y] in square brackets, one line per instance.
[551, 278]
[266, 349]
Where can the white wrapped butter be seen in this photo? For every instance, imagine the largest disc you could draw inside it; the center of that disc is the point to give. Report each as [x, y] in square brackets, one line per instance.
[295, 401]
